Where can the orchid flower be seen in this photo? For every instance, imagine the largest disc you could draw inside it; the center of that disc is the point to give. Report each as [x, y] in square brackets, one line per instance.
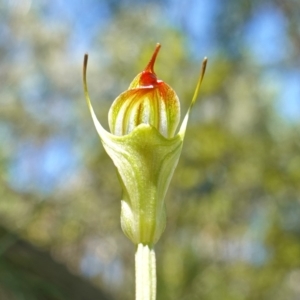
[145, 149]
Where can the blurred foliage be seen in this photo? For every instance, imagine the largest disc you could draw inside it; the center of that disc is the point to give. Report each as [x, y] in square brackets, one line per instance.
[233, 206]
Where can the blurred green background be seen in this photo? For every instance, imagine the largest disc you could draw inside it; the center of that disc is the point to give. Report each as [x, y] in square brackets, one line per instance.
[233, 206]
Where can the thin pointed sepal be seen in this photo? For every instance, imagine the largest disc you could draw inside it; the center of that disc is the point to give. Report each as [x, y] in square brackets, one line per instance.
[101, 131]
[195, 96]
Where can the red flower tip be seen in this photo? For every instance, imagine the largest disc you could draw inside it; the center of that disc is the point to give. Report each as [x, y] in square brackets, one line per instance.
[151, 63]
[148, 76]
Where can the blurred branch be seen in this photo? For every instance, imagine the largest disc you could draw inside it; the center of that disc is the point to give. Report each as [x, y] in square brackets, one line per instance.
[32, 270]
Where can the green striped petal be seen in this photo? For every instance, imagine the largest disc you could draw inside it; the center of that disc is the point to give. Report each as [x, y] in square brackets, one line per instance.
[148, 100]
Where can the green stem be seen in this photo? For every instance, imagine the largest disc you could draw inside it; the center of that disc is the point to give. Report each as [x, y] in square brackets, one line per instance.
[145, 273]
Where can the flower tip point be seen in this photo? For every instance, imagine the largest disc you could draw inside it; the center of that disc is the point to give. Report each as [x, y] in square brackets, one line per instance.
[85, 61]
[150, 66]
[203, 68]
